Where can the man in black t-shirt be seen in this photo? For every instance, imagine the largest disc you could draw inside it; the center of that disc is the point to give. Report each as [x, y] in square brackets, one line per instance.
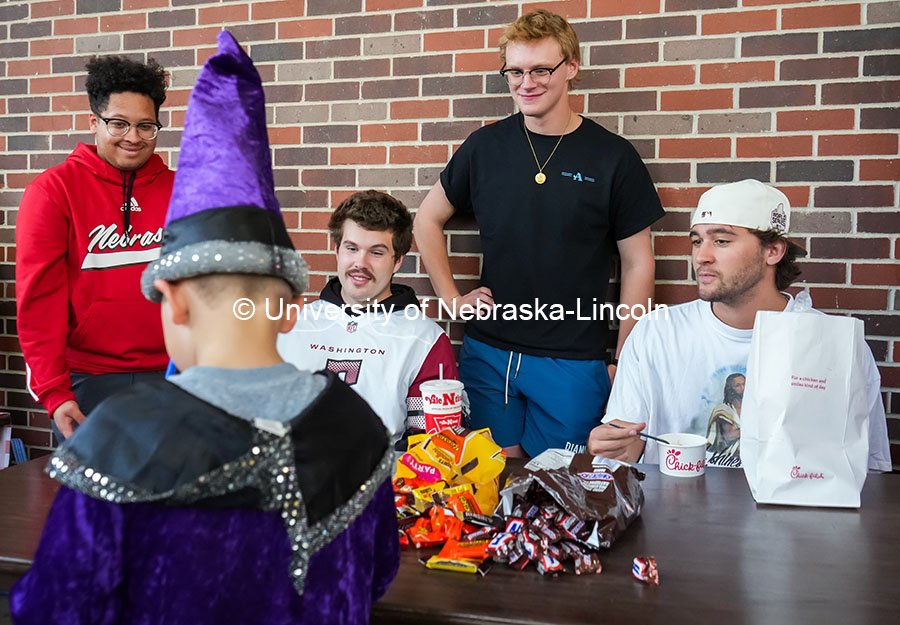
[555, 196]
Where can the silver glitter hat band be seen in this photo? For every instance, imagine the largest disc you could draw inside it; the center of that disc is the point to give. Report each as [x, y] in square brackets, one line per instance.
[231, 239]
[210, 257]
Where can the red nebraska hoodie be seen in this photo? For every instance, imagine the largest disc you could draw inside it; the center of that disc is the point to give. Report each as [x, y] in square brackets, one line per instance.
[78, 279]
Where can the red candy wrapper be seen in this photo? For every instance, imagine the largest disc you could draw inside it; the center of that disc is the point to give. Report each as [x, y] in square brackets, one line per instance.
[644, 569]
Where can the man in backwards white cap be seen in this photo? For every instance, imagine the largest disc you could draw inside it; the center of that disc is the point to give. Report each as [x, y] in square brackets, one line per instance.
[683, 370]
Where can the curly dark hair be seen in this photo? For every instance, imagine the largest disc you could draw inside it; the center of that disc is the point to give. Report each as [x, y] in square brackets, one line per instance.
[787, 270]
[117, 74]
[374, 210]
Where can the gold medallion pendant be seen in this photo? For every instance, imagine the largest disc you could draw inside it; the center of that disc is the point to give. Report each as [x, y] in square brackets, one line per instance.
[541, 177]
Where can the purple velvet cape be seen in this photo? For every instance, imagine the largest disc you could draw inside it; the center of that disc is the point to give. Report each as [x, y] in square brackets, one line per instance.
[102, 563]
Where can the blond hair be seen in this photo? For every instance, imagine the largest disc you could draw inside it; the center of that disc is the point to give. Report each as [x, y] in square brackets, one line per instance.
[541, 24]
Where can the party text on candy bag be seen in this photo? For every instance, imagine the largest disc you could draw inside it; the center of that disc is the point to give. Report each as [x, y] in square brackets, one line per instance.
[424, 471]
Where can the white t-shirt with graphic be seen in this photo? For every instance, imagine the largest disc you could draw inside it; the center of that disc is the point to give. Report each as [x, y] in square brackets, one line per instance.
[686, 374]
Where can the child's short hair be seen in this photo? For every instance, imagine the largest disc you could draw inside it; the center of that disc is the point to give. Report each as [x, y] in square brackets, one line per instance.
[117, 74]
[374, 210]
[213, 288]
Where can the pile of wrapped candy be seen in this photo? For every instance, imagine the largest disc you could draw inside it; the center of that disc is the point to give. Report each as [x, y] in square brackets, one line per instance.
[443, 483]
[562, 507]
[545, 535]
[556, 512]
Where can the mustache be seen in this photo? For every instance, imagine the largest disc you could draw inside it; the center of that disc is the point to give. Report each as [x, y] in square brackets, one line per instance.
[364, 272]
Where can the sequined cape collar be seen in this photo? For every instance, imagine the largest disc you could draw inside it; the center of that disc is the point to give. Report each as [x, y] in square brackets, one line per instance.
[319, 476]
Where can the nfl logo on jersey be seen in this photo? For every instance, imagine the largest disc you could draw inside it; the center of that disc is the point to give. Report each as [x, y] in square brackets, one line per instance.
[351, 326]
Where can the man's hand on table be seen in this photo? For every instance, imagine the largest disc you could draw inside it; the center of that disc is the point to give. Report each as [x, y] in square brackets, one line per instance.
[67, 416]
[618, 444]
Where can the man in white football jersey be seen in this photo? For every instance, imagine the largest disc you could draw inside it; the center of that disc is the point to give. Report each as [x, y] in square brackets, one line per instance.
[369, 331]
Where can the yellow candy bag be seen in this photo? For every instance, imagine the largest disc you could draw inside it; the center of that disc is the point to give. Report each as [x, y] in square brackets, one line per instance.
[456, 456]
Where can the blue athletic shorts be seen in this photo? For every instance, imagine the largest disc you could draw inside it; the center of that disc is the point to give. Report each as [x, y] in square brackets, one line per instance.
[532, 401]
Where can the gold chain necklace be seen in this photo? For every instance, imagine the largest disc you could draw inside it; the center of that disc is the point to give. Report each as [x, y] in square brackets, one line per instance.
[540, 177]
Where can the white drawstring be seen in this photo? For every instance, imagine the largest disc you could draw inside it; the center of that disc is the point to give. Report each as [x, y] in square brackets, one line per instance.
[515, 376]
[506, 387]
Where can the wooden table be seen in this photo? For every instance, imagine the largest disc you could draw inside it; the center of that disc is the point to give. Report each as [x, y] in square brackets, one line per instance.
[721, 558]
[26, 493]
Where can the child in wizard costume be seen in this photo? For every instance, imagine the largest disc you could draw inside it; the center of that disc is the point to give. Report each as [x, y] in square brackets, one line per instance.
[241, 490]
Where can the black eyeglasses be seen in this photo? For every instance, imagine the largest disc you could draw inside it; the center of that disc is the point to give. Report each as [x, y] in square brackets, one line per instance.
[119, 128]
[540, 75]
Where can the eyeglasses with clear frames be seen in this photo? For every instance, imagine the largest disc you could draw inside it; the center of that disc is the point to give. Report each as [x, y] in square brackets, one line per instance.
[119, 128]
[540, 75]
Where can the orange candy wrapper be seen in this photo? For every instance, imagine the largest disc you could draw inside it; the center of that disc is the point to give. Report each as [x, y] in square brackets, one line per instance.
[466, 550]
[463, 503]
[422, 534]
[445, 521]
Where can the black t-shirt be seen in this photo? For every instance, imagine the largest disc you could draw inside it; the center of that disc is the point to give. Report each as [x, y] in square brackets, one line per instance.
[551, 243]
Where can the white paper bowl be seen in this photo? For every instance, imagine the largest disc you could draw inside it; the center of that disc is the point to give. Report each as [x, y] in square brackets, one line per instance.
[685, 457]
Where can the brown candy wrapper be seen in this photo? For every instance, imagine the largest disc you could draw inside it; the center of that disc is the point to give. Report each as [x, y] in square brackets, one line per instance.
[587, 563]
[604, 496]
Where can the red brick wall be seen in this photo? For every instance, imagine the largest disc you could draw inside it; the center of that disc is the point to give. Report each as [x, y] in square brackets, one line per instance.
[377, 93]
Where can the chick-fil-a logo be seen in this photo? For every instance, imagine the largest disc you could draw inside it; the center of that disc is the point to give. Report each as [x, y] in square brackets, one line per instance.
[798, 475]
[673, 465]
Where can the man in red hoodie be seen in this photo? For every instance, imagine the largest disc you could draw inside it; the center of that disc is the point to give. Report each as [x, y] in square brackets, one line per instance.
[85, 231]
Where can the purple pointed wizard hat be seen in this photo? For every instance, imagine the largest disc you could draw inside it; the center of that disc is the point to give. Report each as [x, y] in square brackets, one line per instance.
[223, 215]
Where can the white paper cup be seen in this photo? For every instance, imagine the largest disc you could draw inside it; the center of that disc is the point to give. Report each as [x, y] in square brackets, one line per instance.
[442, 403]
[684, 457]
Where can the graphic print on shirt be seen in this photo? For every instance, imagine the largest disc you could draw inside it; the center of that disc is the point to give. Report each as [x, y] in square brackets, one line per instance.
[719, 415]
[349, 368]
[107, 248]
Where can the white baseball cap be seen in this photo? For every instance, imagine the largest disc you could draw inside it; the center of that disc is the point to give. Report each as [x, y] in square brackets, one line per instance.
[749, 204]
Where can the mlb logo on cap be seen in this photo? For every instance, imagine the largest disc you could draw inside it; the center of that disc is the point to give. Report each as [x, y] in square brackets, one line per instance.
[748, 204]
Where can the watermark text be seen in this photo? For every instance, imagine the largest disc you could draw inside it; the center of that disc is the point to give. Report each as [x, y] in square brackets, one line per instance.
[277, 309]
